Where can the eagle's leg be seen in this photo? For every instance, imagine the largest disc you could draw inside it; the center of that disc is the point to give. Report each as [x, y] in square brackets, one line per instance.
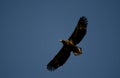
[77, 50]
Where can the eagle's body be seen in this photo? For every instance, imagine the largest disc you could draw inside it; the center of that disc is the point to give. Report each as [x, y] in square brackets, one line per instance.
[69, 45]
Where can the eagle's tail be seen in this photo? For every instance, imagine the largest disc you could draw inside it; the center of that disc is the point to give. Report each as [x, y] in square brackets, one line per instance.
[77, 51]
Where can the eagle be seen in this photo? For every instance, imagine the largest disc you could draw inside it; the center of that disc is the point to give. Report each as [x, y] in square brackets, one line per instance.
[69, 45]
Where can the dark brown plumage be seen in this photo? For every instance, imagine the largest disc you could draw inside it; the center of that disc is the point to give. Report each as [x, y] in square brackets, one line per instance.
[69, 45]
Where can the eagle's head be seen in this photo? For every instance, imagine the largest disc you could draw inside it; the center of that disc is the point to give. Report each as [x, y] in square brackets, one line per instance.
[66, 42]
[63, 41]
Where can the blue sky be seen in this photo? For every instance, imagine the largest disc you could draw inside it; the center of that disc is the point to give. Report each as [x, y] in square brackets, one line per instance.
[30, 31]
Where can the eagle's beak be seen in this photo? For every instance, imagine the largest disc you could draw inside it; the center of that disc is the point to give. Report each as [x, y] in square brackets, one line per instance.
[60, 40]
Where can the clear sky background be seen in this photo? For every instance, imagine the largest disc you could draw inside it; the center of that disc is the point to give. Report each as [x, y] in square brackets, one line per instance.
[30, 31]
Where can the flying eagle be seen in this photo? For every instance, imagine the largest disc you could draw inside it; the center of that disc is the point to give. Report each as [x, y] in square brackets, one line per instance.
[69, 45]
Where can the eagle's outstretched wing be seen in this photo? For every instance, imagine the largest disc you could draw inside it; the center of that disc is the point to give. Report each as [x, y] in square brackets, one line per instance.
[59, 59]
[79, 31]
